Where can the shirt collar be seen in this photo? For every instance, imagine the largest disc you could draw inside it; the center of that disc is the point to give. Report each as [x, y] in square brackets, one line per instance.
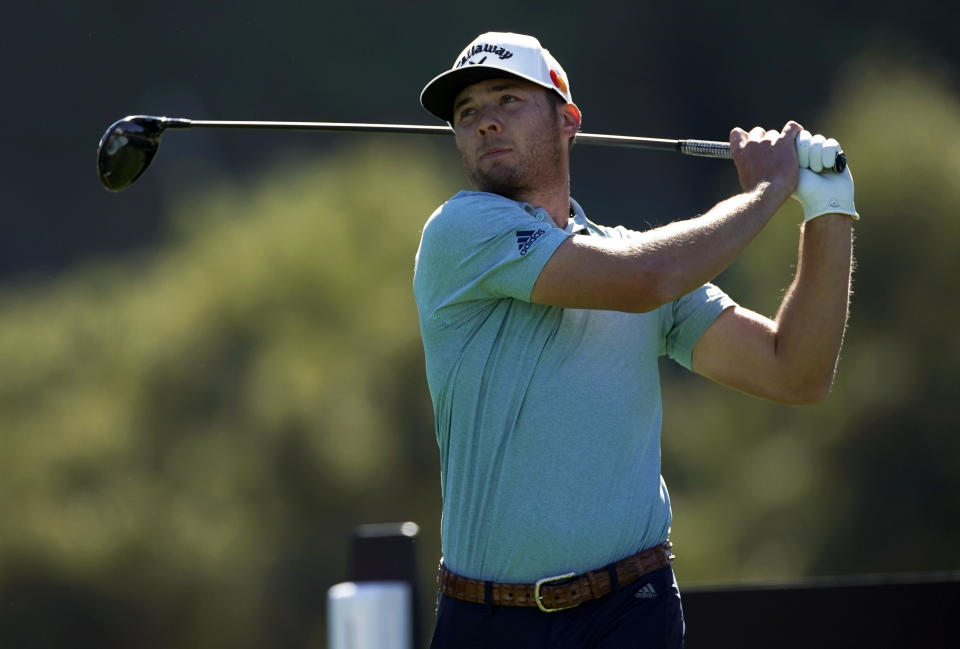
[577, 224]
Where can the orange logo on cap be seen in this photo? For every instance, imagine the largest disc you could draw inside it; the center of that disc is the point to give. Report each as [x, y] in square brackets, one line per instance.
[558, 81]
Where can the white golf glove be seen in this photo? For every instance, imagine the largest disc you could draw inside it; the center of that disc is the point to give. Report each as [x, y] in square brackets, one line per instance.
[822, 193]
[815, 152]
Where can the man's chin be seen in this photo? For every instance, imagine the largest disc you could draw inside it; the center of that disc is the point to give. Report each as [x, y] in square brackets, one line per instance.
[499, 181]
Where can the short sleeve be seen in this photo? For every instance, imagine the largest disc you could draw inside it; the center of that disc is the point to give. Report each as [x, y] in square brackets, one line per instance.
[480, 246]
[683, 321]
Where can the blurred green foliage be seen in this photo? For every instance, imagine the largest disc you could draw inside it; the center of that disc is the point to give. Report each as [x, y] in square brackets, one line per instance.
[195, 433]
[190, 435]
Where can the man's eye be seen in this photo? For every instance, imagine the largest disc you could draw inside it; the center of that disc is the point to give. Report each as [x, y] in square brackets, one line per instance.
[466, 112]
[507, 99]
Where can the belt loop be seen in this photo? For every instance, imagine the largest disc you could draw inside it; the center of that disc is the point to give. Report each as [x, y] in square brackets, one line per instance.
[595, 588]
[614, 583]
[488, 597]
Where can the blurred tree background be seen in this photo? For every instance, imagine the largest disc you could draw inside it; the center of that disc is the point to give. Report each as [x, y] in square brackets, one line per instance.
[191, 434]
[208, 380]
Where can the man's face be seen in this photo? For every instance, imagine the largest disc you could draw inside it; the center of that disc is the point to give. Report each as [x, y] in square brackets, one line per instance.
[508, 135]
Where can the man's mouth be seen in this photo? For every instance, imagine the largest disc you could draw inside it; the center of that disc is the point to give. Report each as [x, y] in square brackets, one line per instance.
[493, 152]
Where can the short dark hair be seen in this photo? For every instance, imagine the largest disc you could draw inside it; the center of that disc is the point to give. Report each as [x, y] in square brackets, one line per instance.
[555, 101]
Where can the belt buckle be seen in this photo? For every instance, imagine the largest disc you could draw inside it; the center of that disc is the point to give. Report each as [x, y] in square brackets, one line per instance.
[537, 597]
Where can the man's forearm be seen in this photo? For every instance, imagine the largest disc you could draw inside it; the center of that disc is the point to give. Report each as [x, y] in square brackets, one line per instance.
[685, 254]
[813, 314]
[663, 264]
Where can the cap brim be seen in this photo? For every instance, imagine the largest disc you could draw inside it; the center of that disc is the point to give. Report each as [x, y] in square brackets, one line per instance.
[438, 95]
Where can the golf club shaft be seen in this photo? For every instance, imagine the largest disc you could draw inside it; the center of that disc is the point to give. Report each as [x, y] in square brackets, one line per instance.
[702, 148]
[130, 144]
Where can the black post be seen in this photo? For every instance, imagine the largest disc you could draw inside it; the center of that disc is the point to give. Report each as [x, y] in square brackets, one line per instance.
[388, 552]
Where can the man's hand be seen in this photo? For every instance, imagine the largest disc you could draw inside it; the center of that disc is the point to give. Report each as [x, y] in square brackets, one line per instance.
[763, 156]
[827, 192]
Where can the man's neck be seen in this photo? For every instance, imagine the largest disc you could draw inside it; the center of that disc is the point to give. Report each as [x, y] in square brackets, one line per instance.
[555, 200]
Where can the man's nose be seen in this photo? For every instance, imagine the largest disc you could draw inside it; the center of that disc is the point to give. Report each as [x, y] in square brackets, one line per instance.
[489, 122]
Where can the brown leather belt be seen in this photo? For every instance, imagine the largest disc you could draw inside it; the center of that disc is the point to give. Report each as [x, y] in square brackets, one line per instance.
[559, 592]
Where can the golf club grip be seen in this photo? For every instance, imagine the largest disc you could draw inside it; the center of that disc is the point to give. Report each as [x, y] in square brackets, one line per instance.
[711, 149]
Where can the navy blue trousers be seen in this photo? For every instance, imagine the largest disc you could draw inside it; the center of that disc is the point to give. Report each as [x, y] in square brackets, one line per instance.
[647, 614]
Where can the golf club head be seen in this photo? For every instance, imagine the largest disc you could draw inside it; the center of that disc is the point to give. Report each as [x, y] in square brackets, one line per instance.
[128, 147]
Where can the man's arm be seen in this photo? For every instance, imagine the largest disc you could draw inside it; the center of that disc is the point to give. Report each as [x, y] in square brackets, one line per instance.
[791, 359]
[641, 274]
[666, 263]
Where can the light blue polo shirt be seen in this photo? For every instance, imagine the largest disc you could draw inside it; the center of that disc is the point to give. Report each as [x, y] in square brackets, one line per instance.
[548, 419]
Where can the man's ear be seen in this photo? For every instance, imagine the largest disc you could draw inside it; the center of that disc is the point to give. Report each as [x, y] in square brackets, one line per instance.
[572, 118]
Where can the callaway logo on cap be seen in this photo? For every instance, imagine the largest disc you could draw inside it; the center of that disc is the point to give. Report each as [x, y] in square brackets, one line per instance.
[493, 55]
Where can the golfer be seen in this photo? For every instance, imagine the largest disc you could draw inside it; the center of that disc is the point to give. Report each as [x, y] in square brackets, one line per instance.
[542, 331]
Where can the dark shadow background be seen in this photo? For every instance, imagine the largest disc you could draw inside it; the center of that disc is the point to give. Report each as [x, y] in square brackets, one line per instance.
[653, 69]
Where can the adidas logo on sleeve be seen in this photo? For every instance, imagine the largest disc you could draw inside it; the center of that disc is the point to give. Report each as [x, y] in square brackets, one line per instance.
[526, 238]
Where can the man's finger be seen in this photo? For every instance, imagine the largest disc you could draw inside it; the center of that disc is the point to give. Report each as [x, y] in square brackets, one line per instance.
[803, 148]
[791, 128]
[757, 133]
[738, 137]
[830, 150]
[816, 153]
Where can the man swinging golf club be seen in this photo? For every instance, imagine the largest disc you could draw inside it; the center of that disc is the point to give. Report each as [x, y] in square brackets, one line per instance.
[542, 331]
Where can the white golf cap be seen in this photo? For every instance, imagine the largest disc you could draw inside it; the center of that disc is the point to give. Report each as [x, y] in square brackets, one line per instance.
[490, 56]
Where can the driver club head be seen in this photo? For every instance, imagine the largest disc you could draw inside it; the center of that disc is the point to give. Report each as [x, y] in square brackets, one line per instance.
[128, 146]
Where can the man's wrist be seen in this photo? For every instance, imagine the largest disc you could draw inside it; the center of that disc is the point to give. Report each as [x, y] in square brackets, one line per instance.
[830, 220]
[832, 207]
[775, 192]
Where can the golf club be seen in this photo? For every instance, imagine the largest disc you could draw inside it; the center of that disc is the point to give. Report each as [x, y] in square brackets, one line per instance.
[130, 144]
